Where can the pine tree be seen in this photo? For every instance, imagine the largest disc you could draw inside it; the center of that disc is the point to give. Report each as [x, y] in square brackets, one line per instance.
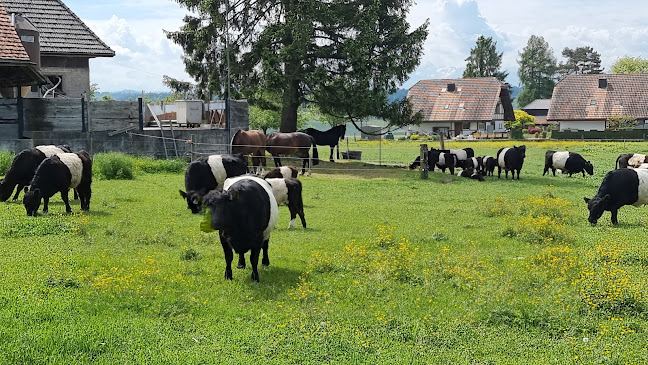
[580, 61]
[345, 56]
[484, 60]
[537, 71]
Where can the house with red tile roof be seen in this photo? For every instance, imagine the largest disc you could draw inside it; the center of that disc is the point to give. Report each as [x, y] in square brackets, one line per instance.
[16, 69]
[585, 102]
[462, 107]
[59, 42]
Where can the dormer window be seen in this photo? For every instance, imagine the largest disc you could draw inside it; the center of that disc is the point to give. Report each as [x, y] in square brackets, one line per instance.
[451, 88]
[592, 102]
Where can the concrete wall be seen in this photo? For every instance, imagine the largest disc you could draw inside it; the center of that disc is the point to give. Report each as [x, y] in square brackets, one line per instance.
[75, 72]
[598, 125]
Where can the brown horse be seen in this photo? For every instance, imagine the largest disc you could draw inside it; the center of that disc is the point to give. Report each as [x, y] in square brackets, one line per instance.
[288, 143]
[251, 142]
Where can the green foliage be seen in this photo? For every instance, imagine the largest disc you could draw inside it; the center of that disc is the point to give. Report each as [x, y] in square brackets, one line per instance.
[347, 57]
[484, 60]
[114, 166]
[153, 166]
[630, 65]
[6, 158]
[617, 122]
[537, 71]
[106, 97]
[580, 61]
[521, 122]
[263, 119]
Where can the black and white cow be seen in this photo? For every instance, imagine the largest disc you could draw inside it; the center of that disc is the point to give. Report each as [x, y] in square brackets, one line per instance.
[462, 156]
[630, 160]
[244, 213]
[437, 158]
[474, 163]
[471, 174]
[569, 162]
[289, 191]
[24, 165]
[282, 172]
[510, 159]
[489, 163]
[209, 173]
[60, 173]
[618, 188]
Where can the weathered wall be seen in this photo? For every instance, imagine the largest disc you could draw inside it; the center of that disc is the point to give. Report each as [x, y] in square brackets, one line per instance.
[74, 71]
[53, 115]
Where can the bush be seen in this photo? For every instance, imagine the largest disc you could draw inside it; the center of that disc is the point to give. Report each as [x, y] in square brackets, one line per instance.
[5, 161]
[153, 166]
[114, 166]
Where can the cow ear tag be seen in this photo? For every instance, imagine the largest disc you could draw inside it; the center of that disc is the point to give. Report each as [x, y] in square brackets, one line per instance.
[205, 224]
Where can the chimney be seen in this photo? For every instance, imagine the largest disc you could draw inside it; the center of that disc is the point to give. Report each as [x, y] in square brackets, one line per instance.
[451, 88]
[29, 36]
[602, 83]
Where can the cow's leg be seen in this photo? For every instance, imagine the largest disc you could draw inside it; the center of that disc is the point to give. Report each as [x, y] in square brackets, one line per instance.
[293, 215]
[45, 204]
[505, 174]
[613, 217]
[518, 174]
[241, 261]
[451, 169]
[499, 172]
[254, 262]
[64, 196]
[20, 187]
[265, 261]
[546, 168]
[554, 171]
[583, 173]
[229, 256]
[76, 194]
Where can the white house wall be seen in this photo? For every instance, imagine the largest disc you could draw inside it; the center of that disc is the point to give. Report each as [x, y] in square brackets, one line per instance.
[598, 125]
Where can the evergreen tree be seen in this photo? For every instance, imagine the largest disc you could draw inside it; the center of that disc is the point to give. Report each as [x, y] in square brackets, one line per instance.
[580, 61]
[484, 60]
[537, 71]
[345, 56]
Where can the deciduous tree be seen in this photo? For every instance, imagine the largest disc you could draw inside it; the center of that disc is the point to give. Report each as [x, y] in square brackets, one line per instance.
[345, 56]
[537, 71]
[484, 60]
[630, 65]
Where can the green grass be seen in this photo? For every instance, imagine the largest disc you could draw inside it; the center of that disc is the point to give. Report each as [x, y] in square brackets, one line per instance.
[392, 269]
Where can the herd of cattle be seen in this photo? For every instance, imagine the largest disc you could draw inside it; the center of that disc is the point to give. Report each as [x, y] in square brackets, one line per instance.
[244, 207]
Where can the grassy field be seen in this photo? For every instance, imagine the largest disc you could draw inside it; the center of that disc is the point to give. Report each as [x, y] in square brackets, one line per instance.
[392, 269]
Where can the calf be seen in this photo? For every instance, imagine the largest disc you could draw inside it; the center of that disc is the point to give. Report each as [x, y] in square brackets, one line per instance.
[23, 167]
[282, 172]
[510, 159]
[630, 160]
[60, 173]
[289, 191]
[209, 173]
[244, 213]
[472, 174]
[475, 163]
[569, 162]
[489, 163]
[618, 188]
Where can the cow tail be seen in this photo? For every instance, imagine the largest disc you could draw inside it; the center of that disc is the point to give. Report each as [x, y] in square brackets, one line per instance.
[315, 153]
[616, 165]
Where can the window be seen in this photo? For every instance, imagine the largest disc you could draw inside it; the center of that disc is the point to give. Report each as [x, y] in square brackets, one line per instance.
[466, 125]
[592, 102]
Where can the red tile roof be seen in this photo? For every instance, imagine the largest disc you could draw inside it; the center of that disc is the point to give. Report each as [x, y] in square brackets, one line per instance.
[579, 97]
[474, 99]
[11, 48]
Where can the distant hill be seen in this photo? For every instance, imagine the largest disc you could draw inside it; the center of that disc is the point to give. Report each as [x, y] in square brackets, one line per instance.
[124, 95]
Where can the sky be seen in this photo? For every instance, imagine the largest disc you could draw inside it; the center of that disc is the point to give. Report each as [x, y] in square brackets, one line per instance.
[134, 29]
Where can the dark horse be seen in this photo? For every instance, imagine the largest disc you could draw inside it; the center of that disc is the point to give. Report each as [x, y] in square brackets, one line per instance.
[279, 143]
[330, 137]
[251, 142]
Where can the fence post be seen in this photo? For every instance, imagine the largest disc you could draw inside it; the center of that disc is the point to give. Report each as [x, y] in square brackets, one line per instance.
[140, 106]
[347, 140]
[424, 161]
[21, 115]
[380, 151]
[441, 142]
[83, 115]
[193, 146]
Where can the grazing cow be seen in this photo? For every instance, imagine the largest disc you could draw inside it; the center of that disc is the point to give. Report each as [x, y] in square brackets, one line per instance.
[568, 162]
[618, 188]
[510, 159]
[60, 173]
[209, 173]
[489, 163]
[289, 191]
[244, 213]
[282, 172]
[630, 160]
[439, 159]
[471, 174]
[24, 165]
[462, 155]
[475, 163]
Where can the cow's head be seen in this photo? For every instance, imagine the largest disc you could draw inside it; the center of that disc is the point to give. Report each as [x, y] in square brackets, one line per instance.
[194, 200]
[219, 204]
[5, 193]
[521, 150]
[416, 163]
[32, 201]
[589, 168]
[596, 207]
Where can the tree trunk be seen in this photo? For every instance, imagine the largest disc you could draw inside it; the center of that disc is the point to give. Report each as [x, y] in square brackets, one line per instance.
[290, 107]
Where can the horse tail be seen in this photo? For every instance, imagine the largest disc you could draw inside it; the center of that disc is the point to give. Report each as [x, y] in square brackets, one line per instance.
[315, 154]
